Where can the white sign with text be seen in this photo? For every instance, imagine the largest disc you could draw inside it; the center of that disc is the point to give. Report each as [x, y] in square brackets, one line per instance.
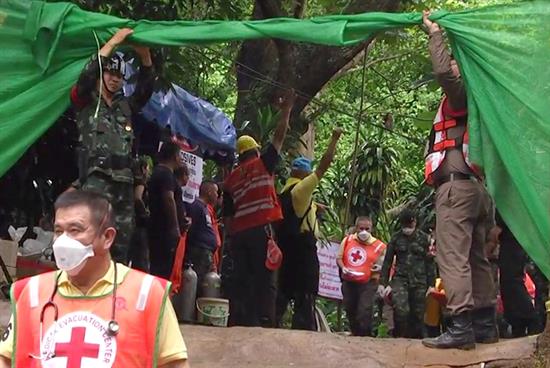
[330, 285]
[195, 165]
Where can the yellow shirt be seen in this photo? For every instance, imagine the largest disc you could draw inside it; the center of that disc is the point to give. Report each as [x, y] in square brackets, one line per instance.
[302, 195]
[171, 344]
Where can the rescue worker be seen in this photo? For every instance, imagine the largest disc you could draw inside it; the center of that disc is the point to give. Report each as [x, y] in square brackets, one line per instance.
[202, 238]
[360, 259]
[519, 310]
[250, 206]
[462, 207]
[139, 251]
[414, 272]
[166, 208]
[106, 133]
[297, 236]
[93, 309]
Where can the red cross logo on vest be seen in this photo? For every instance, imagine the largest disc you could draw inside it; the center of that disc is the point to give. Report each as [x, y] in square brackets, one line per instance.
[78, 340]
[357, 256]
[77, 348]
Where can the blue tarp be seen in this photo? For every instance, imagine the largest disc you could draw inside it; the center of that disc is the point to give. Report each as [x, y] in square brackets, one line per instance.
[200, 122]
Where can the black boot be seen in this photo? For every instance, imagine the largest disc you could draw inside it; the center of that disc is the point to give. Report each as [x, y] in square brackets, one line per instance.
[459, 335]
[485, 325]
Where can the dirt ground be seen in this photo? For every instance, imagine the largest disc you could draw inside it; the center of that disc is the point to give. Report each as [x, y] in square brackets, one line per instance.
[259, 348]
[240, 347]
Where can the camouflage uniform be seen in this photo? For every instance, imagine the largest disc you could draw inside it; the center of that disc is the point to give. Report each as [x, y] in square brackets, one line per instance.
[414, 272]
[105, 151]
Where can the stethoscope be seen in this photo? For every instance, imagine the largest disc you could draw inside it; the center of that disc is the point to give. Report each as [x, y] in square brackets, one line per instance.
[113, 327]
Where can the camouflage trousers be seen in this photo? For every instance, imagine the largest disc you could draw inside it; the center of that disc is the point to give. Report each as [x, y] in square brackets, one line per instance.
[121, 196]
[408, 308]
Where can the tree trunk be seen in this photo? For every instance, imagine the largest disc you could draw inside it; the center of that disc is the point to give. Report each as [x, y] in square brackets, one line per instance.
[543, 345]
[304, 67]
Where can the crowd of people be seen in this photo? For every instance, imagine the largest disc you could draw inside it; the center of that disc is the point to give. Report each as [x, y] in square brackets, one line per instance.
[441, 286]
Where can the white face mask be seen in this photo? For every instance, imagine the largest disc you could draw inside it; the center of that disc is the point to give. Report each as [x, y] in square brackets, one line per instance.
[408, 230]
[363, 235]
[70, 254]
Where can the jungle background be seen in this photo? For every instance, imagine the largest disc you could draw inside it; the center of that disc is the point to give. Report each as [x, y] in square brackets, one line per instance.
[391, 72]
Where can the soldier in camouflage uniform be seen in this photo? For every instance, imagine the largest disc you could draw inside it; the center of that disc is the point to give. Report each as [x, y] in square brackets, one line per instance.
[414, 273]
[106, 133]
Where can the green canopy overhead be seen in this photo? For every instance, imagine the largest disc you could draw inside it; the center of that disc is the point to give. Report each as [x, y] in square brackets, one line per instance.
[502, 51]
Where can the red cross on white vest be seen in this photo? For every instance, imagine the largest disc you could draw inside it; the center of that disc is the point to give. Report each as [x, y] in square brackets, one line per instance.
[77, 348]
[356, 256]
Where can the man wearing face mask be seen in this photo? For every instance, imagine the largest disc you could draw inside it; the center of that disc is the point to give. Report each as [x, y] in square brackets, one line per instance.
[462, 210]
[93, 309]
[360, 260]
[106, 132]
[414, 272]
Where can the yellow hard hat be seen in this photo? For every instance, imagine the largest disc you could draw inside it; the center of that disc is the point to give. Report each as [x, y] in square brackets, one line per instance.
[246, 143]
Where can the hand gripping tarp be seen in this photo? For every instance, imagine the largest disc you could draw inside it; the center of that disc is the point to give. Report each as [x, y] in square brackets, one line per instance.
[503, 52]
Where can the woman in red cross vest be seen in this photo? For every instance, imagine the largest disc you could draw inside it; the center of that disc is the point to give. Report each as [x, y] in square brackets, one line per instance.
[360, 260]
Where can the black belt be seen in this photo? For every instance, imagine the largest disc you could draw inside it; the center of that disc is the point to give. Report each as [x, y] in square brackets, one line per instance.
[453, 177]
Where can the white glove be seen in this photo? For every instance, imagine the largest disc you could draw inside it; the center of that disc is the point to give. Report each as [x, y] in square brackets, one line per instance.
[387, 291]
[376, 268]
[380, 291]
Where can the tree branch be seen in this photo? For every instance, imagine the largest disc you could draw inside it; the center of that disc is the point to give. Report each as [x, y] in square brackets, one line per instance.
[299, 8]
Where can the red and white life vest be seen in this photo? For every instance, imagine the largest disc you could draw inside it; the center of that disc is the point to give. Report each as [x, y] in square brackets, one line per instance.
[359, 258]
[438, 144]
[78, 338]
[255, 201]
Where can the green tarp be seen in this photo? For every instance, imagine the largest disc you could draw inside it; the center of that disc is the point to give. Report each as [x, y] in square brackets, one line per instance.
[503, 51]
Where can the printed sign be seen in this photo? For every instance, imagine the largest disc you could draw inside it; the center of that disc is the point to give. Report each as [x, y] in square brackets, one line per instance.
[330, 285]
[195, 164]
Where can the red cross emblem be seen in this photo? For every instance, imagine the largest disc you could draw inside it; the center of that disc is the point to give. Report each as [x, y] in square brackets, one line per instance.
[77, 348]
[356, 256]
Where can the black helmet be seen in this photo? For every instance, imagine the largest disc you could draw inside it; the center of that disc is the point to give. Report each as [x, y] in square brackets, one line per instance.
[116, 65]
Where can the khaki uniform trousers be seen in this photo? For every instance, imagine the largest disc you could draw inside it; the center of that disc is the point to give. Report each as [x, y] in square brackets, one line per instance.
[462, 210]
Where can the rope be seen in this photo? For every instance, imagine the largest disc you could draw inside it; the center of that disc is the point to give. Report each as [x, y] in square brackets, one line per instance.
[356, 146]
[259, 76]
[100, 75]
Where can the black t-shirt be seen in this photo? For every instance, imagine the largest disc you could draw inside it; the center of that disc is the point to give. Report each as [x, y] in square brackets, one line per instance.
[180, 207]
[162, 180]
[270, 157]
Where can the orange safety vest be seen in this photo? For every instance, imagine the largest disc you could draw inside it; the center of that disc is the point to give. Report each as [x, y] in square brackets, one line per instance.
[79, 338]
[439, 143]
[255, 200]
[359, 257]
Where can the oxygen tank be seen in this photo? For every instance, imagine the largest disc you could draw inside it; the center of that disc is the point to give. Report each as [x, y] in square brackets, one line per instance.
[184, 300]
[211, 285]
